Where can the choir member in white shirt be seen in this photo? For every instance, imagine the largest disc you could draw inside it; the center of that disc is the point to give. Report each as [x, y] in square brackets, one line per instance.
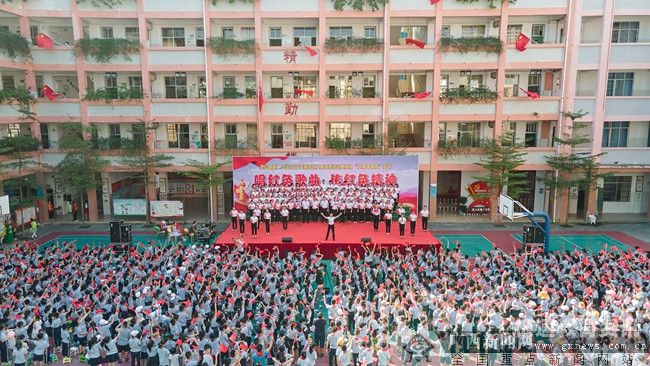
[285, 218]
[242, 223]
[402, 223]
[413, 218]
[233, 218]
[424, 214]
[267, 222]
[388, 218]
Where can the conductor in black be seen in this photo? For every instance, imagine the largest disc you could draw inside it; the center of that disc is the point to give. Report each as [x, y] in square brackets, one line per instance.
[330, 224]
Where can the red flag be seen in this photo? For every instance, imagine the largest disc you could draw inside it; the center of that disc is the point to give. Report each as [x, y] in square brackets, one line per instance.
[415, 42]
[434, 1]
[421, 95]
[306, 92]
[531, 94]
[312, 52]
[49, 93]
[260, 98]
[521, 42]
[43, 41]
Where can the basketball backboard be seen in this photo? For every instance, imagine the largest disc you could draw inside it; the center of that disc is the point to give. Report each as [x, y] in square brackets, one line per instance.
[506, 206]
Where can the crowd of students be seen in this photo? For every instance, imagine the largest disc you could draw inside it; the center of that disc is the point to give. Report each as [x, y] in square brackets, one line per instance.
[208, 305]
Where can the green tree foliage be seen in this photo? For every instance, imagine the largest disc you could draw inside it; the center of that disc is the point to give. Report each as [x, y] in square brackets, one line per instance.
[82, 164]
[500, 159]
[205, 175]
[16, 153]
[575, 169]
[139, 157]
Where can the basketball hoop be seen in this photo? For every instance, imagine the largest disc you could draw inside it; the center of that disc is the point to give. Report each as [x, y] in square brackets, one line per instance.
[507, 206]
[507, 209]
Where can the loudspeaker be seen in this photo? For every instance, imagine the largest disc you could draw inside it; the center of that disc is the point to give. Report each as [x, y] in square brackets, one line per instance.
[125, 233]
[287, 239]
[365, 240]
[115, 231]
[121, 247]
[533, 234]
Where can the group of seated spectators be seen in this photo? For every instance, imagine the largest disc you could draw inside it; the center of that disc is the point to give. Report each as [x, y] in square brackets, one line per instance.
[205, 305]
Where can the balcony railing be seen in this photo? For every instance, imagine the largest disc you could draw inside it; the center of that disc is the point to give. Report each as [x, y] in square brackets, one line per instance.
[354, 44]
[480, 94]
[121, 93]
[227, 46]
[232, 144]
[471, 44]
[234, 93]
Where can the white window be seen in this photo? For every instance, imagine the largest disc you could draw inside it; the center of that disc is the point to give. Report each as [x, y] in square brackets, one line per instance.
[513, 33]
[617, 189]
[250, 84]
[473, 31]
[277, 139]
[277, 87]
[251, 134]
[231, 136]
[368, 135]
[341, 32]
[469, 134]
[444, 83]
[537, 33]
[530, 138]
[305, 135]
[228, 32]
[178, 135]
[370, 32]
[135, 83]
[342, 131]
[368, 86]
[200, 37]
[247, 33]
[13, 130]
[132, 33]
[229, 87]
[176, 86]
[107, 32]
[304, 36]
[110, 81]
[173, 37]
[625, 32]
[275, 36]
[446, 31]
[615, 134]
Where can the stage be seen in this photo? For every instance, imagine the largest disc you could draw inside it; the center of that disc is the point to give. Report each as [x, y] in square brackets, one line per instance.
[309, 235]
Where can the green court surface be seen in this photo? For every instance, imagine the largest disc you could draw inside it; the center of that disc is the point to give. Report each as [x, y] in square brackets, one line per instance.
[470, 244]
[593, 243]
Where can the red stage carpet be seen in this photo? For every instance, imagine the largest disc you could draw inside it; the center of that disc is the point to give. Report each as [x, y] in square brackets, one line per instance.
[309, 235]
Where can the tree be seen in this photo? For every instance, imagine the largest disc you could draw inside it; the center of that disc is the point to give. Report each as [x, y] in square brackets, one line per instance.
[573, 169]
[16, 150]
[500, 159]
[82, 162]
[139, 156]
[206, 175]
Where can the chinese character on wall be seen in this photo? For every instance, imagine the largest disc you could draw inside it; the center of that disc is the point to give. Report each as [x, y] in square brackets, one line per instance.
[290, 109]
[290, 57]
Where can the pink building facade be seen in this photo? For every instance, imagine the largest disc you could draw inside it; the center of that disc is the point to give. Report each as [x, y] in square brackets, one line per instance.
[589, 55]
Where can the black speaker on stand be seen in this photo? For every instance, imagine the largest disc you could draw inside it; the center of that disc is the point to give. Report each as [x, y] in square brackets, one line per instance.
[116, 231]
[533, 235]
[125, 233]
